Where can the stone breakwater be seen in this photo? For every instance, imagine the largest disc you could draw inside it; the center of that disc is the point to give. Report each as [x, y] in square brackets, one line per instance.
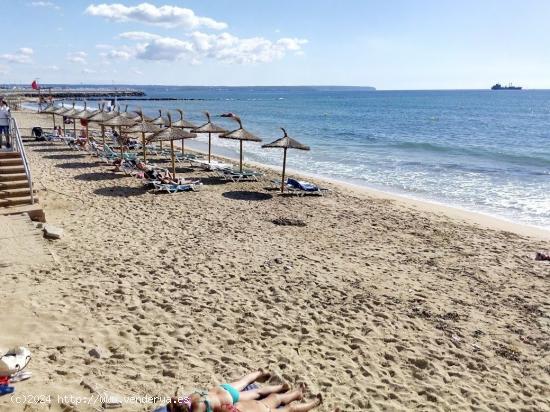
[74, 93]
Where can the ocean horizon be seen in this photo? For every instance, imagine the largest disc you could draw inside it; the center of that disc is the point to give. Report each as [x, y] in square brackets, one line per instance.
[479, 150]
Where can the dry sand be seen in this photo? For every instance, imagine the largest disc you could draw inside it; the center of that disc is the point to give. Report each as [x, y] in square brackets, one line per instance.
[376, 303]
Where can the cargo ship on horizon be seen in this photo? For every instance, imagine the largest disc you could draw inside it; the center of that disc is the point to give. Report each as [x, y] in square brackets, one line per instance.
[498, 86]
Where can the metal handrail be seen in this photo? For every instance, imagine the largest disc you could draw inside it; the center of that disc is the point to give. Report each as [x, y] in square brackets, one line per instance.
[17, 145]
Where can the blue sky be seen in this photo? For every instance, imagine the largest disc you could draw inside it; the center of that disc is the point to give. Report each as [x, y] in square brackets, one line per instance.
[393, 44]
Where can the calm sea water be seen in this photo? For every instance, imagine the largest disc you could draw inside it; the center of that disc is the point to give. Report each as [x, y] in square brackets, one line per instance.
[484, 151]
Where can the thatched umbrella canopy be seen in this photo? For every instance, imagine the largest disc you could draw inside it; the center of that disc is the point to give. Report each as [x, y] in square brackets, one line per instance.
[143, 127]
[209, 128]
[85, 115]
[50, 109]
[72, 113]
[60, 111]
[100, 117]
[171, 133]
[240, 134]
[134, 115]
[159, 121]
[286, 142]
[184, 124]
[120, 122]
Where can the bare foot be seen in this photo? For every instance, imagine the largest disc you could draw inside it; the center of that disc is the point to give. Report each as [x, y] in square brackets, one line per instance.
[319, 399]
[285, 388]
[264, 376]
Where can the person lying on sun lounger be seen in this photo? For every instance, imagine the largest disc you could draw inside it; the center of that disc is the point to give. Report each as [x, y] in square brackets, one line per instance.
[238, 397]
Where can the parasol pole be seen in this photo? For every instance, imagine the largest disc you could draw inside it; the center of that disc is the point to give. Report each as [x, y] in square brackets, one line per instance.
[173, 159]
[284, 167]
[209, 145]
[144, 148]
[120, 142]
[241, 163]
[87, 132]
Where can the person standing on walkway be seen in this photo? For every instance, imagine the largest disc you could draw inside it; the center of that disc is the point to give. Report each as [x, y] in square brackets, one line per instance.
[5, 116]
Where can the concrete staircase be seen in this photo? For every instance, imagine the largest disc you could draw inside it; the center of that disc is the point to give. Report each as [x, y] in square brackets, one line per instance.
[15, 195]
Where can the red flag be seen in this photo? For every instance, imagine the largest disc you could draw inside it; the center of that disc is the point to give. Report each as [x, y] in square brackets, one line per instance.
[35, 85]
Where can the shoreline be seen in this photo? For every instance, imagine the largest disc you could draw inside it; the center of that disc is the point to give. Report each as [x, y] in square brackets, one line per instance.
[456, 212]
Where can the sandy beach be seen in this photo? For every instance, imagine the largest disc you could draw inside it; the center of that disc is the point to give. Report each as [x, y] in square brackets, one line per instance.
[378, 303]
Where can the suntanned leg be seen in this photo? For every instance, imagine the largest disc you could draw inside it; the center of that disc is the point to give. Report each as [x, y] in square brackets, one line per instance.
[276, 399]
[246, 380]
[304, 407]
[263, 391]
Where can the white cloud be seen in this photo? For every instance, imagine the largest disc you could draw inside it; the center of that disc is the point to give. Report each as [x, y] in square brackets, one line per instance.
[138, 35]
[88, 71]
[47, 4]
[118, 54]
[3, 69]
[53, 68]
[138, 72]
[164, 48]
[167, 16]
[222, 47]
[22, 56]
[77, 57]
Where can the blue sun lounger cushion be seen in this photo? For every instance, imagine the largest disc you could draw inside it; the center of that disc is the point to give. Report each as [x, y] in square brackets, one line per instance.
[305, 186]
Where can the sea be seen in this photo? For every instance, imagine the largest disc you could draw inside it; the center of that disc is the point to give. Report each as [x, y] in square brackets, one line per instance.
[479, 150]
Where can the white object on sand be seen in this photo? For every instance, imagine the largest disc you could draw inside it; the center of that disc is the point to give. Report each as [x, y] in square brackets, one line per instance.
[14, 360]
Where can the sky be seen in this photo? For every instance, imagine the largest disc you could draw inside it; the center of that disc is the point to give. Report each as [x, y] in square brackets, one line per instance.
[391, 44]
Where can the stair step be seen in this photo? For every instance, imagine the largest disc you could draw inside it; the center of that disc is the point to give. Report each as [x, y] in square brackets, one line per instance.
[19, 177]
[10, 170]
[17, 201]
[11, 162]
[34, 211]
[10, 155]
[21, 184]
[13, 193]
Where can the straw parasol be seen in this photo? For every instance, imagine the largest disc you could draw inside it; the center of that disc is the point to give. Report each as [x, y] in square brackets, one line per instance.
[143, 127]
[159, 121]
[183, 124]
[72, 114]
[50, 109]
[120, 121]
[84, 116]
[101, 117]
[134, 115]
[209, 128]
[286, 142]
[60, 111]
[171, 133]
[240, 134]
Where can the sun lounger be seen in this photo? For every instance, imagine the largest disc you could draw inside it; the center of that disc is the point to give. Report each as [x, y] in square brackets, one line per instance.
[238, 176]
[175, 188]
[188, 157]
[300, 187]
[212, 166]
